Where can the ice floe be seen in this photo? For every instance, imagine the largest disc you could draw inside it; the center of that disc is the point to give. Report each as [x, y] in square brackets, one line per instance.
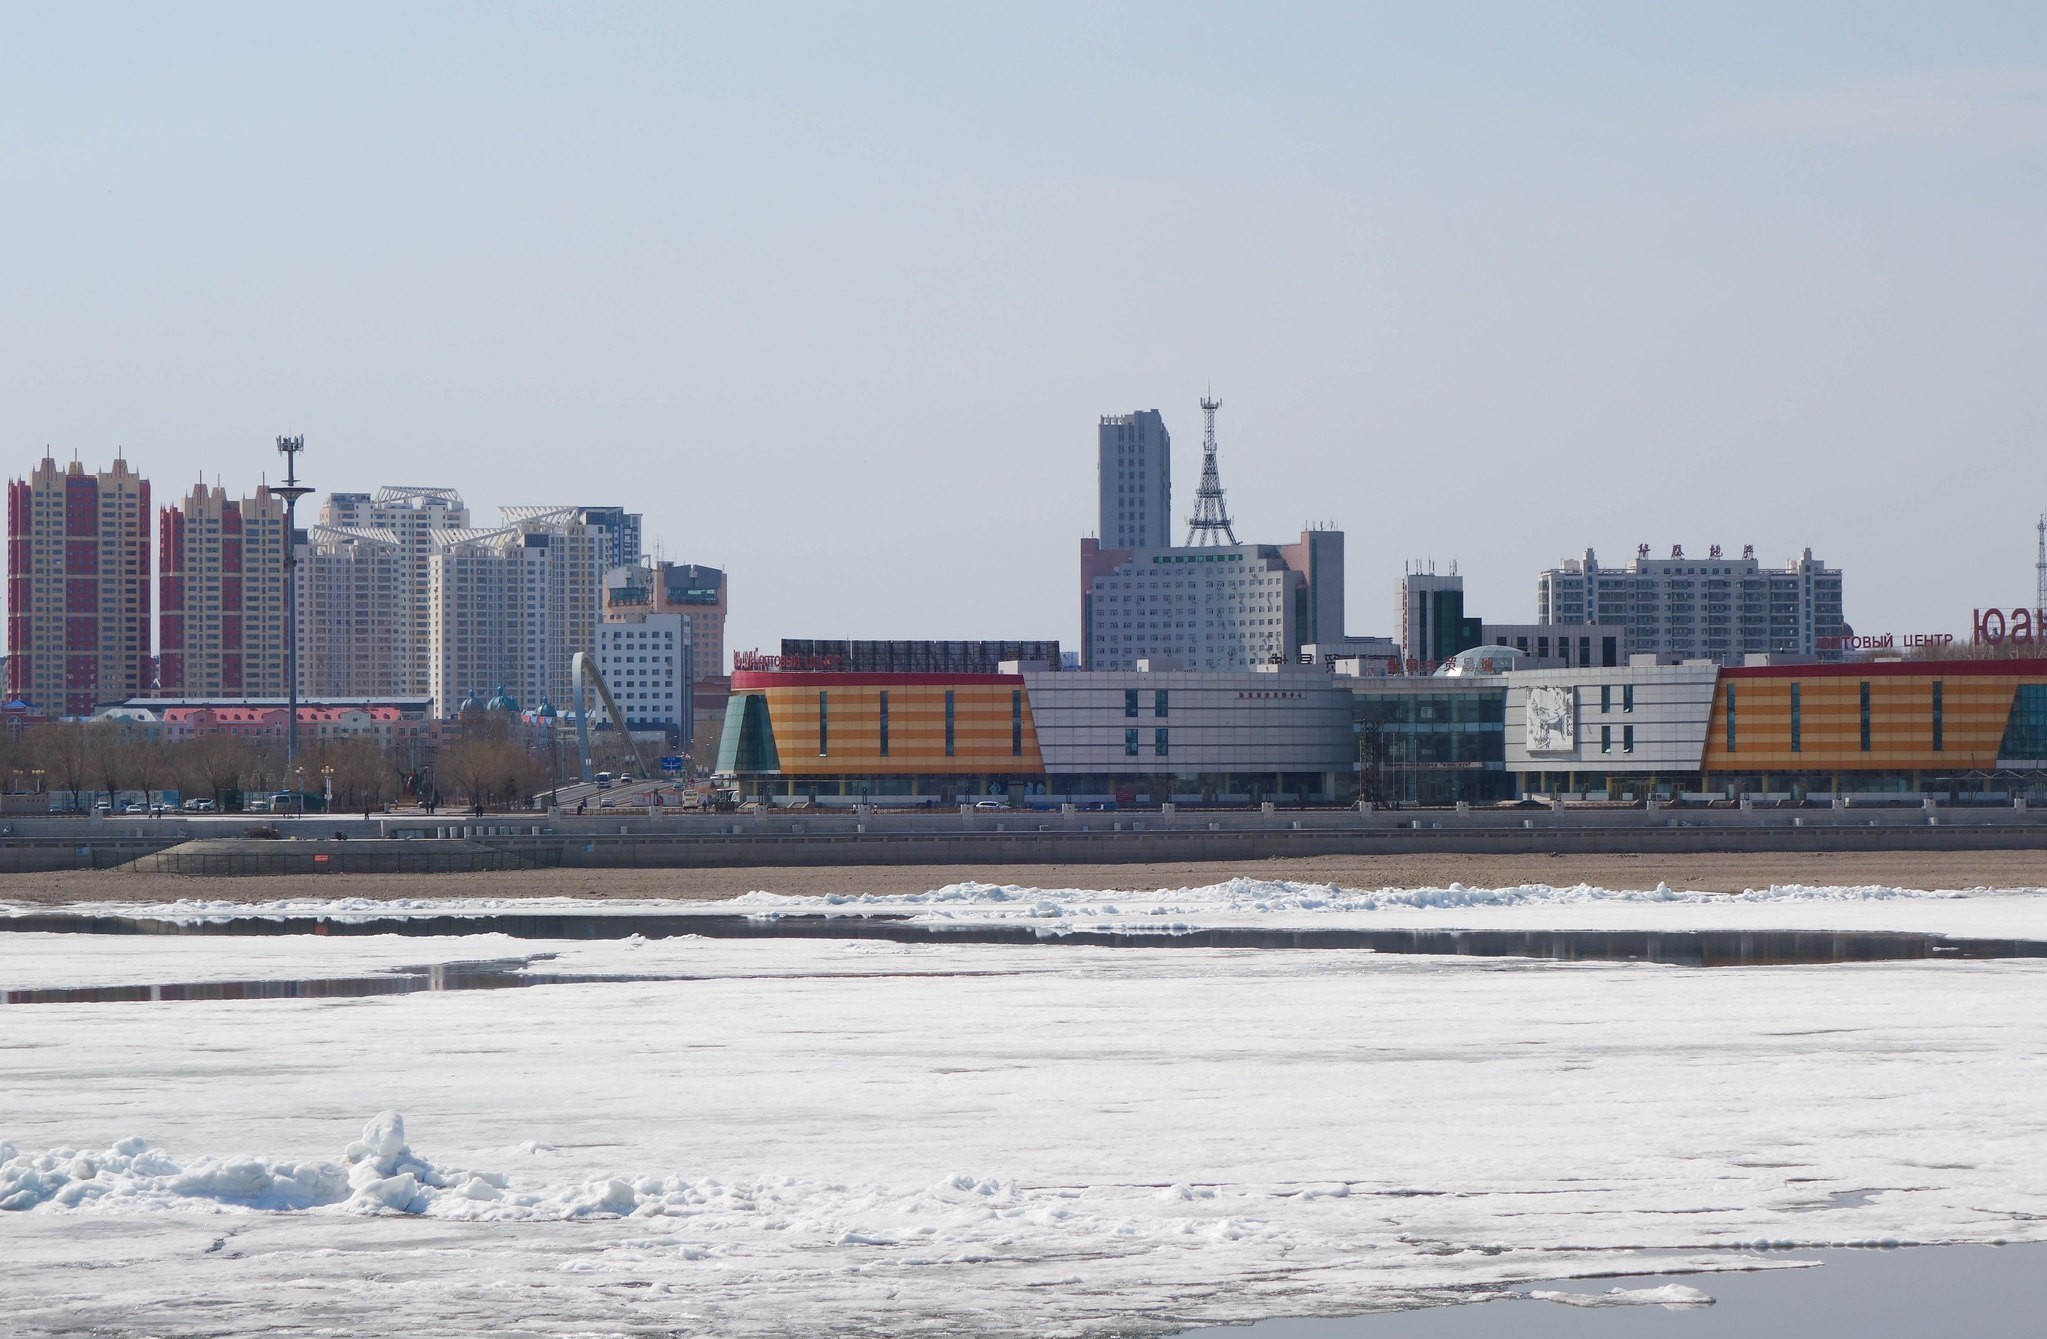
[1670, 1296]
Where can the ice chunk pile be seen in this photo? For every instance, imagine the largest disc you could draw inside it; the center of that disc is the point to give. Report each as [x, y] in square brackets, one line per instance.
[1246, 900]
[377, 1172]
[132, 1174]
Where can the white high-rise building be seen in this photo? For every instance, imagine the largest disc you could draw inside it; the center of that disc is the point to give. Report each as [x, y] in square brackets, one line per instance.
[1211, 607]
[1136, 477]
[357, 615]
[1711, 608]
[364, 591]
[508, 608]
[644, 659]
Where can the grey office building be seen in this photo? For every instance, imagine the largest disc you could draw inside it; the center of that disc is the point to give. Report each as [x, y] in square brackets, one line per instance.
[1136, 464]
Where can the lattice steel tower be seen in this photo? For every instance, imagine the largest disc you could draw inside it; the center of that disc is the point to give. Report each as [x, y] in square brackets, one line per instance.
[1210, 523]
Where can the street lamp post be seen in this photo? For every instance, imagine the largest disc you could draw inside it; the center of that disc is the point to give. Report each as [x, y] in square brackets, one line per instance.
[327, 778]
[289, 448]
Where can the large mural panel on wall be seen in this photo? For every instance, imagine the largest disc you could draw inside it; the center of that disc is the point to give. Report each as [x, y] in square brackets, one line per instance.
[1551, 720]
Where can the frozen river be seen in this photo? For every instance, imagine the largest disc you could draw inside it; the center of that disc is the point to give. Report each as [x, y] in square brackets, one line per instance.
[766, 1136]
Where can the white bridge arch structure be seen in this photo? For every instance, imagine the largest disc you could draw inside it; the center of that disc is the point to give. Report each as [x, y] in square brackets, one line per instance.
[583, 676]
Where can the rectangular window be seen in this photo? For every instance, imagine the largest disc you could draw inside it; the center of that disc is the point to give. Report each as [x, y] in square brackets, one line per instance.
[1730, 718]
[1158, 743]
[1605, 697]
[1938, 694]
[1606, 739]
[823, 726]
[949, 707]
[1584, 651]
[1542, 647]
[1609, 652]
[1016, 723]
[1130, 702]
[1797, 722]
[1627, 739]
[1130, 743]
[1158, 703]
[1627, 697]
[1865, 715]
[884, 724]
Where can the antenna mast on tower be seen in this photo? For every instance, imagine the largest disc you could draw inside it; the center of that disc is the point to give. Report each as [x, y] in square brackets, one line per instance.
[1210, 524]
[2040, 569]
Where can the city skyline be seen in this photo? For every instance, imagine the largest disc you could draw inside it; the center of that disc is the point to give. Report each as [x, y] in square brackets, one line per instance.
[1608, 280]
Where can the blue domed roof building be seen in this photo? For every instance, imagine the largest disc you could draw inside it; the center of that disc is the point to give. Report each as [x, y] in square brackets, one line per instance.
[502, 702]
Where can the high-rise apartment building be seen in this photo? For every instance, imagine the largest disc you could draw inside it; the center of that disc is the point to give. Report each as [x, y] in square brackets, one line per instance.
[621, 532]
[621, 529]
[221, 625]
[78, 599]
[689, 589]
[358, 616]
[344, 593]
[645, 662]
[1135, 463]
[1712, 608]
[696, 595]
[508, 608]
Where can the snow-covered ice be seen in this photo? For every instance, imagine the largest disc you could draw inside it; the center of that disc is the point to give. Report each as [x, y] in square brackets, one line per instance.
[834, 1137]
[2005, 912]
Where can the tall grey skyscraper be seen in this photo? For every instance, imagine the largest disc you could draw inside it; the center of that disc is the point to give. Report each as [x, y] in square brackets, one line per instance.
[1136, 463]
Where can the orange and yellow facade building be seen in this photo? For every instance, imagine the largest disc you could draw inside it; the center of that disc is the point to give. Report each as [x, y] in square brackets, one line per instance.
[1908, 723]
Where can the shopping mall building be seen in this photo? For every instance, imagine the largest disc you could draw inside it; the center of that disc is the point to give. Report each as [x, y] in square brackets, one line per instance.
[1482, 733]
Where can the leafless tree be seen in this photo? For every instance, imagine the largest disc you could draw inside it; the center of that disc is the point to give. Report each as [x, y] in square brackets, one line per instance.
[59, 749]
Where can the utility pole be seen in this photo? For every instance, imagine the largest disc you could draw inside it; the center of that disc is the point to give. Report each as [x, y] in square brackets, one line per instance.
[289, 448]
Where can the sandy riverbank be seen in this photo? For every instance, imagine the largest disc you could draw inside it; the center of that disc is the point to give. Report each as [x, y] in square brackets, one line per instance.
[1714, 872]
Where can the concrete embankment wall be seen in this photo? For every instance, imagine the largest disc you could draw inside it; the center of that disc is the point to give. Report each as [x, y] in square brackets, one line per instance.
[412, 845]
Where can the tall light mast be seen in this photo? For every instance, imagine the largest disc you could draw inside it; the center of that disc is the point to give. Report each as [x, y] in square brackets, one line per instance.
[289, 448]
[2040, 571]
[1210, 523]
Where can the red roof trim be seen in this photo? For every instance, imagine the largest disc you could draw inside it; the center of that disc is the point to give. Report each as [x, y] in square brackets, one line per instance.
[744, 679]
[1891, 669]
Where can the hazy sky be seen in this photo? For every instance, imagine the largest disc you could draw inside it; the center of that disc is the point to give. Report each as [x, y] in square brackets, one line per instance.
[835, 295]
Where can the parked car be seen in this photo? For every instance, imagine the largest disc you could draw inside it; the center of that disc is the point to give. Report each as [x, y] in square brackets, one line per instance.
[258, 805]
[989, 804]
[102, 807]
[136, 809]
